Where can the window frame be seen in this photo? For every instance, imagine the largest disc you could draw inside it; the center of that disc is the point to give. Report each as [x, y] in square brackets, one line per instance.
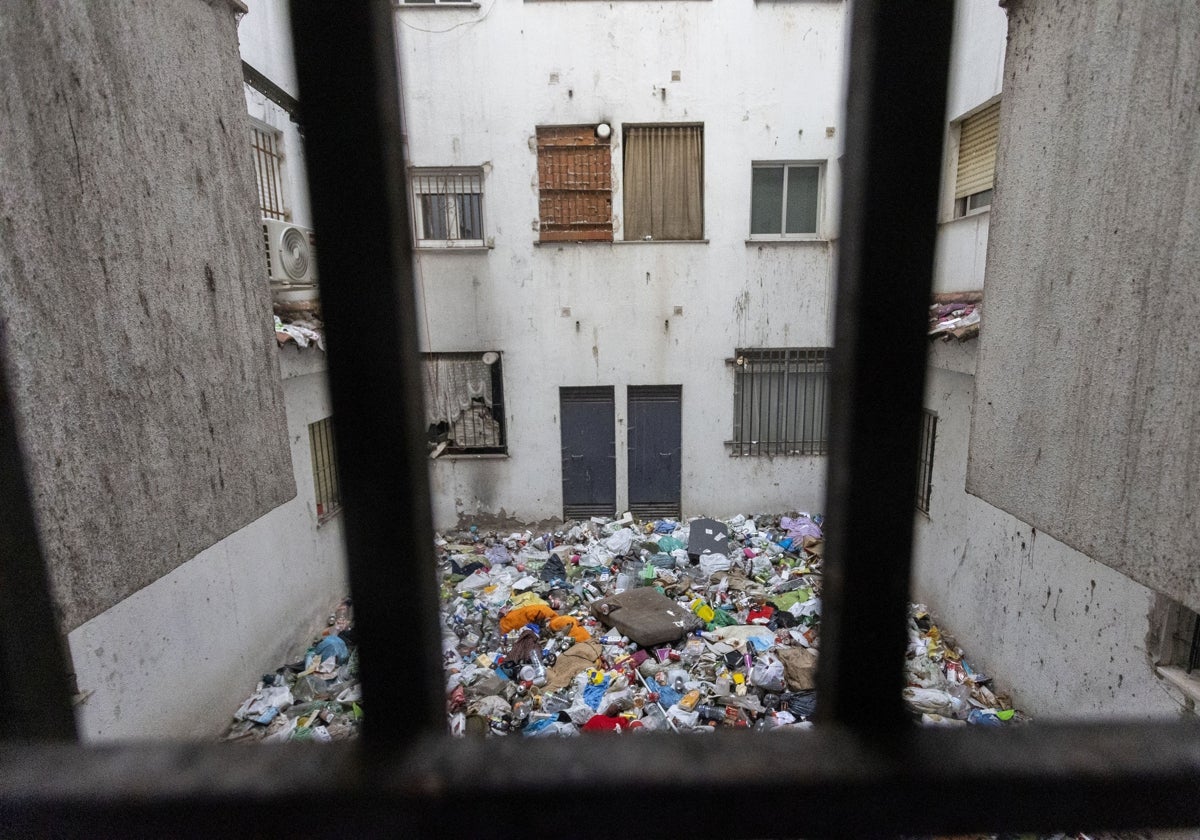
[625, 128]
[961, 207]
[322, 445]
[416, 175]
[783, 236]
[927, 447]
[271, 164]
[497, 409]
[798, 363]
[545, 137]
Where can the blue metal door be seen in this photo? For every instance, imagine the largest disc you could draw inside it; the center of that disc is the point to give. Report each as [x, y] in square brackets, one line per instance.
[589, 452]
[655, 444]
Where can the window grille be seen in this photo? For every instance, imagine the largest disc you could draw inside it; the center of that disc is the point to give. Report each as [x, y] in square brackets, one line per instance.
[781, 402]
[464, 403]
[574, 184]
[268, 171]
[448, 207]
[925, 459]
[324, 466]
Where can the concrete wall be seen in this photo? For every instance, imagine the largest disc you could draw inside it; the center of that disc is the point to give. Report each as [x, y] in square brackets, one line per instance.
[766, 82]
[1085, 413]
[1067, 634]
[174, 659]
[135, 315]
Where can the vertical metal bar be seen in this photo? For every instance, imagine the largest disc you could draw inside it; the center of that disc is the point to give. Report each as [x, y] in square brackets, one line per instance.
[38, 696]
[895, 120]
[346, 63]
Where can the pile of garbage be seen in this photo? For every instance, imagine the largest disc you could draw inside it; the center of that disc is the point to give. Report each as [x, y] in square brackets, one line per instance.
[615, 625]
[315, 699]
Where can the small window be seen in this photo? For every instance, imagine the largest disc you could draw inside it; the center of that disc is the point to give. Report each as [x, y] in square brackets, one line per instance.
[785, 200]
[324, 466]
[1177, 639]
[664, 182]
[265, 144]
[781, 402]
[975, 174]
[574, 184]
[447, 207]
[925, 459]
[464, 403]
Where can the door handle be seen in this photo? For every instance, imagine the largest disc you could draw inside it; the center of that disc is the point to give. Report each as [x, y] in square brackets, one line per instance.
[665, 454]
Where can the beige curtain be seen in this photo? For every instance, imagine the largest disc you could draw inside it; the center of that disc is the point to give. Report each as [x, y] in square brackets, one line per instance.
[664, 182]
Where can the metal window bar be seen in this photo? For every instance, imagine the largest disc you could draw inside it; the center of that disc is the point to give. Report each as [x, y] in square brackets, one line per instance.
[449, 204]
[925, 459]
[863, 771]
[779, 402]
[324, 463]
[268, 172]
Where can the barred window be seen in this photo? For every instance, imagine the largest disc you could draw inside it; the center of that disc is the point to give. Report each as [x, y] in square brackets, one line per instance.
[781, 401]
[268, 171]
[447, 207]
[925, 459]
[464, 403]
[324, 467]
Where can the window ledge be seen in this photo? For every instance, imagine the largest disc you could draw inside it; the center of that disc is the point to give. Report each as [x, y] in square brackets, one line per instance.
[468, 456]
[974, 214]
[398, 4]
[1189, 684]
[785, 241]
[324, 520]
[733, 453]
[452, 249]
[660, 242]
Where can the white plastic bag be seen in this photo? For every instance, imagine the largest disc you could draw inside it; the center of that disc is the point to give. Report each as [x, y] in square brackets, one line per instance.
[767, 673]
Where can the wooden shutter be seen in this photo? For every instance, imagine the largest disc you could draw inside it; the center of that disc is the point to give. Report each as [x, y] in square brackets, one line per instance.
[977, 152]
[574, 184]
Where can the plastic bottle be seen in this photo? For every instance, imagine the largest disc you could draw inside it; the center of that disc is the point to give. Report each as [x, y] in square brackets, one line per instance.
[539, 670]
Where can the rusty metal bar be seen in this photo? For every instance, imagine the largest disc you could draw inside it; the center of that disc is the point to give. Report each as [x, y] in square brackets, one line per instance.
[895, 119]
[37, 693]
[346, 62]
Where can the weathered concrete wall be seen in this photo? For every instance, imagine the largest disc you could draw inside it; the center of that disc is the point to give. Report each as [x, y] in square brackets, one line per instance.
[135, 314]
[766, 82]
[175, 659]
[1086, 421]
[1067, 634]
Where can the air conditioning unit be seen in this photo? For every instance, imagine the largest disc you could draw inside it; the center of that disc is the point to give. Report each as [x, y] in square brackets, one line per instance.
[291, 253]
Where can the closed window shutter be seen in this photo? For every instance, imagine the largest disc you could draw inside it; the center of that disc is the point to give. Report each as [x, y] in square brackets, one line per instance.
[574, 184]
[977, 152]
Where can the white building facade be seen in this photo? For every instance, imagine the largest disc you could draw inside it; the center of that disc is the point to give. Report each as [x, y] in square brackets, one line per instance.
[618, 323]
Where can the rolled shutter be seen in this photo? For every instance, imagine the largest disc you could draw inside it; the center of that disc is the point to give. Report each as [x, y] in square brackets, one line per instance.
[977, 152]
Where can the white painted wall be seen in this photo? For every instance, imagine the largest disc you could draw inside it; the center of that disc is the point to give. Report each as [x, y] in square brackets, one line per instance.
[766, 81]
[265, 40]
[174, 659]
[976, 79]
[1064, 632]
